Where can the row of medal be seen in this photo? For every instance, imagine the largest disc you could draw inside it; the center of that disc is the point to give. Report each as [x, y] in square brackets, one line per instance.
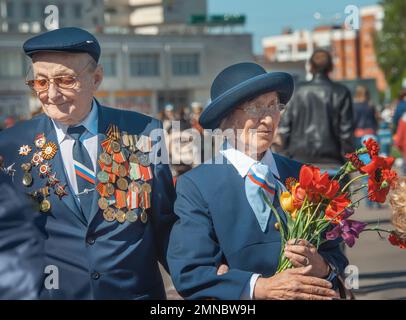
[125, 193]
[42, 152]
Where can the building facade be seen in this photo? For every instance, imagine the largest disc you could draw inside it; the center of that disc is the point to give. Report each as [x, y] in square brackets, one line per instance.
[352, 50]
[141, 72]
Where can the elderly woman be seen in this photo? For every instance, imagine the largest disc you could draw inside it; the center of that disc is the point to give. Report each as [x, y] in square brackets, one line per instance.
[222, 217]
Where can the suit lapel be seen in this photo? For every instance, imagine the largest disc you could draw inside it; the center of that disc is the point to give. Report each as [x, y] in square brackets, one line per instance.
[59, 168]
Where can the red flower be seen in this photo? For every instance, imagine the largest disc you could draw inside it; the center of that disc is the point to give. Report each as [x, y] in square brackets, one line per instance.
[381, 177]
[395, 240]
[372, 147]
[355, 161]
[317, 185]
[335, 210]
[376, 165]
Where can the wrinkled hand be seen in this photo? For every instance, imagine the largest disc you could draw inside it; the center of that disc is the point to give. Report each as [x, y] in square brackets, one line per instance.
[303, 254]
[293, 284]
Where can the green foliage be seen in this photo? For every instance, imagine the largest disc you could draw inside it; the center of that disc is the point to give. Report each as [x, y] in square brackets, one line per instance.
[390, 43]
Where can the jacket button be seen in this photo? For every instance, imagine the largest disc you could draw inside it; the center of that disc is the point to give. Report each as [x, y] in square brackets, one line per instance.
[95, 275]
[277, 226]
[90, 240]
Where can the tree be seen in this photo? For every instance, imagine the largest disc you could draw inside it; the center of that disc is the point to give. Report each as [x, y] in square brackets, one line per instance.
[390, 43]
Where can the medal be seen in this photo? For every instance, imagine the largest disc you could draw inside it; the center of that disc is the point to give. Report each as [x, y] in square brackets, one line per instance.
[24, 150]
[37, 159]
[44, 206]
[115, 146]
[103, 204]
[113, 132]
[122, 171]
[122, 184]
[27, 179]
[131, 216]
[109, 214]
[40, 140]
[144, 217]
[143, 158]
[103, 177]
[105, 158]
[120, 216]
[44, 169]
[110, 189]
[133, 158]
[52, 180]
[135, 171]
[49, 150]
[132, 141]
[60, 190]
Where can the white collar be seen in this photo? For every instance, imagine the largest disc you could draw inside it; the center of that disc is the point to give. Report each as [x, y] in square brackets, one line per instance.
[90, 123]
[243, 163]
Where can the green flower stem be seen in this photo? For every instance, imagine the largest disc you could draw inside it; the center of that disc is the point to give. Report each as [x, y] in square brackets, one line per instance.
[354, 179]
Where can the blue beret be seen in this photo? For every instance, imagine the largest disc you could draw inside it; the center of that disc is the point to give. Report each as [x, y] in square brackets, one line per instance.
[71, 39]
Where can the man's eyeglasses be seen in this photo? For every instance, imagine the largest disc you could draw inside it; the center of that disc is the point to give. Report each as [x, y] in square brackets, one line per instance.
[261, 111]
[62, 82]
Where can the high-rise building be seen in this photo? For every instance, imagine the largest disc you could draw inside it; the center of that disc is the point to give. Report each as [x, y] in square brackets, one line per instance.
[153, 16]
[353, 50]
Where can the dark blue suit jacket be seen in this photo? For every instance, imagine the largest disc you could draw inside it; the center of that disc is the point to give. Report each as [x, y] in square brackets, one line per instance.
[21, 245]
[98, 259]
[216, 224]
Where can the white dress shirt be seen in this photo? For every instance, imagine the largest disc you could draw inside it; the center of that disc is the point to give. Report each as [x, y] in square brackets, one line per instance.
[243, 163]
[89, 140]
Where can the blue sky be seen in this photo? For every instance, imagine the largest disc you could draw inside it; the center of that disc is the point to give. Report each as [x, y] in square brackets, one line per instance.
[269, 17]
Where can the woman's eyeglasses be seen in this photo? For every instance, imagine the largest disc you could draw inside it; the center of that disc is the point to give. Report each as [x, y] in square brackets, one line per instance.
[261, 111]
[62, 82]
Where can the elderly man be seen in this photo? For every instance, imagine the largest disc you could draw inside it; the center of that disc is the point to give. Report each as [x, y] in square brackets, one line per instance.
[105, 200]
[222, 218]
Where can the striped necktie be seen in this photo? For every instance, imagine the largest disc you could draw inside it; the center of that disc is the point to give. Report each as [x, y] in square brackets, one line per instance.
[85, 175]
[260, 182]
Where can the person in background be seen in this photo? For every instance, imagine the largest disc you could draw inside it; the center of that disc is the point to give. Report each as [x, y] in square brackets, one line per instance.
[169, 116]
[400, 139]
[197, 109]
[364, 115]
[400, 109]
[317, 126]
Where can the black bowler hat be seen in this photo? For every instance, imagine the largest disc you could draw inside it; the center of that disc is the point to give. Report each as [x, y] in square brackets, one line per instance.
[74, 40]
[238, 83]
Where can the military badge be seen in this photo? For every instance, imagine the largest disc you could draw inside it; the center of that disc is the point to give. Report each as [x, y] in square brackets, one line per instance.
[40, 140]
[49, 150]
[24, 150]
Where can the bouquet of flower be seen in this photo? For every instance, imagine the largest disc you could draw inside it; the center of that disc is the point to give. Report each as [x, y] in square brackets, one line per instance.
[318, 208]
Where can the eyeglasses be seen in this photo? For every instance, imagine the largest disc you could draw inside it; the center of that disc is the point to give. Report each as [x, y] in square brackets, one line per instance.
[62, 82]
[255, 111]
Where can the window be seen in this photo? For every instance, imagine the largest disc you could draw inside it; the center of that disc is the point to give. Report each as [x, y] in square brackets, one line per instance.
[108, 62]
[144, 65]
[27, 10]
[10, 9]
[185, 64]
[11, 64]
